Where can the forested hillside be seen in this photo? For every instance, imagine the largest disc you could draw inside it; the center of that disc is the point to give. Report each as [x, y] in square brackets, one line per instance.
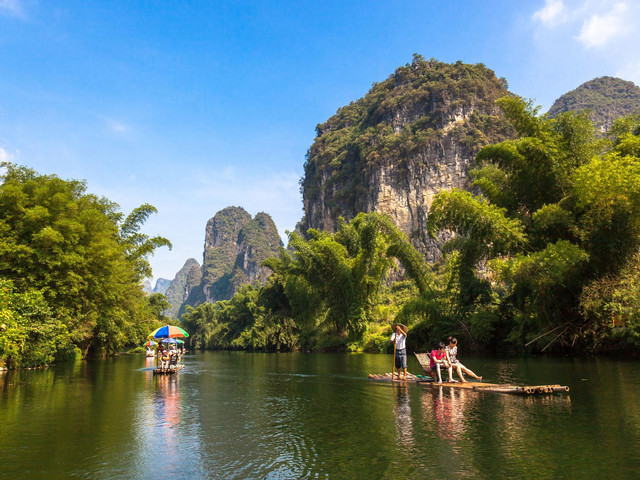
[235, 247]
[545, 258]
[606, 99]
[187, 278]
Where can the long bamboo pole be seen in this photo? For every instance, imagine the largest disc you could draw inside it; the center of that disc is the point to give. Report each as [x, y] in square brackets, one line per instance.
[394, 358]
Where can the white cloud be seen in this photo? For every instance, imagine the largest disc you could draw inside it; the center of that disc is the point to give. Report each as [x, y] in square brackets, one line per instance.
[577, 40]
[12, 8]
[5, 156]
[553, 13]
[597, 30]
[117, 127]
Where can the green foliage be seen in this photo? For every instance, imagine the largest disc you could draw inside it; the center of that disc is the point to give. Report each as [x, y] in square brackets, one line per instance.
[604, 98]
[374, 339]
[138, 246]
[614, 300]
[189, 276]
[606, 193]
[71, 250]
[325, 293]
[480, 222]
[540, 264]
[158, 304]
[30, 335]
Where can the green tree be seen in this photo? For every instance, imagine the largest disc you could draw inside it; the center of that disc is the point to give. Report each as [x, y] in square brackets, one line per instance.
[562, 212]
[138, 246]
[30, 335]
[71, 247]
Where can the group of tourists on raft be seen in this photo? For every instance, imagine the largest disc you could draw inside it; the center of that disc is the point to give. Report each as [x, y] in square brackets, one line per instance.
[444, 356]
[168, 358]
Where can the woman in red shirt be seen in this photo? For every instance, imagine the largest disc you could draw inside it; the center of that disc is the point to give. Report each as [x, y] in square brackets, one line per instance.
[439, 360]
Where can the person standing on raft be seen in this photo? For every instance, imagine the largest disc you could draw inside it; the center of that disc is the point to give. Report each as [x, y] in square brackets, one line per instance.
[400, 338]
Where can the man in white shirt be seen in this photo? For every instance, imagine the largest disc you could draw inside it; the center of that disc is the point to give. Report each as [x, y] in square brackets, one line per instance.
[400, 337]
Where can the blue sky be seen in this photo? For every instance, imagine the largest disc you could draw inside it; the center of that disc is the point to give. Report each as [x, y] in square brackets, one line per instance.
[195, 106]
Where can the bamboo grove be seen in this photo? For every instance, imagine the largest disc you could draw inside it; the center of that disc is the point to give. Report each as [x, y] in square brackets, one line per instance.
[544, 257]
[71, 267]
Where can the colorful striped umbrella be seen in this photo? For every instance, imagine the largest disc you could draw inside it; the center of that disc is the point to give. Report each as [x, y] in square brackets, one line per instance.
[150, 343]
[168, 331]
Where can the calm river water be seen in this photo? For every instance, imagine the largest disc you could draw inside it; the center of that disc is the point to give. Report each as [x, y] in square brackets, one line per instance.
[280, 416]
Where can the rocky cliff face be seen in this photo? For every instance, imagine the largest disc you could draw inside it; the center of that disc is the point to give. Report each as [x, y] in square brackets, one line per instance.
[606, 98]
[393, 150]
[234, 248]
[162, 284]
[187, 278]
[146, 287]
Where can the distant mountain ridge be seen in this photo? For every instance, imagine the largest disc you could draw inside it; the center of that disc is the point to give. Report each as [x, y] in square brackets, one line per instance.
[607, 98]
[187, 278]
[161, 286]
[234, 248]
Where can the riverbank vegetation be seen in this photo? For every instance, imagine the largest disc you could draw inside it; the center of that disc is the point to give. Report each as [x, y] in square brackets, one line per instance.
[544, 258]
[71, 268]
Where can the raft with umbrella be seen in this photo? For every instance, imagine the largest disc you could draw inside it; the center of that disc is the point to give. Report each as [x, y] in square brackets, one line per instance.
[168, 334]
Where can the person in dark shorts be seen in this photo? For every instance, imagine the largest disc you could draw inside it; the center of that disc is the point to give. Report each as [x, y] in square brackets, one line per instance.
[400, 337]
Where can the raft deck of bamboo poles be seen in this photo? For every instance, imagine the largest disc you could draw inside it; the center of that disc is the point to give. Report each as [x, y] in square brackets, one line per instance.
[475, 386]
[167, 370]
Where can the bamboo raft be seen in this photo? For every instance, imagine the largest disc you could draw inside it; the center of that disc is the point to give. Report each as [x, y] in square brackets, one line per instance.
[167, 370]
[423, 359]
[475, 386]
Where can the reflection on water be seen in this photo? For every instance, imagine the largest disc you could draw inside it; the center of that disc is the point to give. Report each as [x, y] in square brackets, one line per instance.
[280, 416]
[404, 424]
[447, 408]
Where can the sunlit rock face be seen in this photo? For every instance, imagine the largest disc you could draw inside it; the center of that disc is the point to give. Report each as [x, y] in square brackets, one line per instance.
[235, 246]
[410, 137]
[187, 278]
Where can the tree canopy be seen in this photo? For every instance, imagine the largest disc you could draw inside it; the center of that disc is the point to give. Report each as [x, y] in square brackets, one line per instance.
[558, 213]
[78, 259]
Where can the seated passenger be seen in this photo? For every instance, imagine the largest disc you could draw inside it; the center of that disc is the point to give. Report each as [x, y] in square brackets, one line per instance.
[452, 352]
[438, 359]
